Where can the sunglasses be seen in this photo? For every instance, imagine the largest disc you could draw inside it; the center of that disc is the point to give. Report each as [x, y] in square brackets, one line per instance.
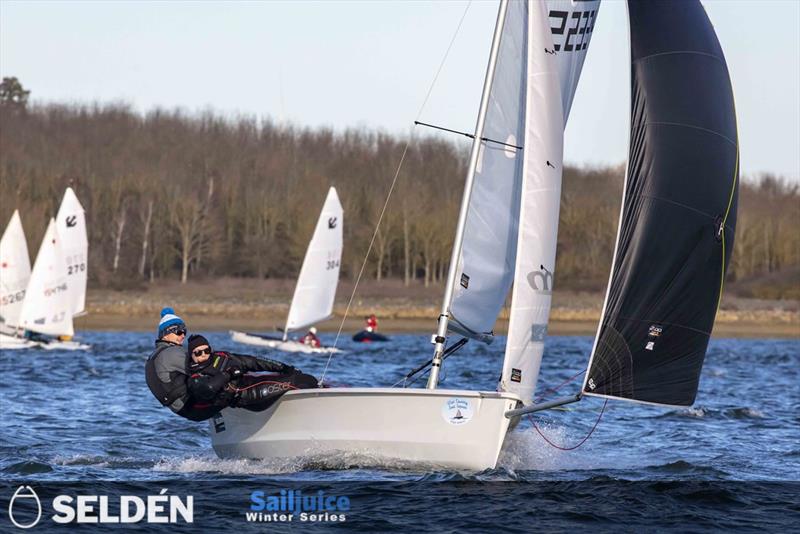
[200, 352]
[178, 331]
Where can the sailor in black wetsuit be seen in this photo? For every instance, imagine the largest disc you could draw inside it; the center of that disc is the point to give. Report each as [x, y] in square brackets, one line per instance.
[219, 379]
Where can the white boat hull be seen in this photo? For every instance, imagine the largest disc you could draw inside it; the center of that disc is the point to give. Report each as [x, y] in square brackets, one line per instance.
[454, 429]
[278, 344]
[15, 343]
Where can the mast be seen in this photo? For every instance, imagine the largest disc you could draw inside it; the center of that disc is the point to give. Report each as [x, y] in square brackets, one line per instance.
[441, 334]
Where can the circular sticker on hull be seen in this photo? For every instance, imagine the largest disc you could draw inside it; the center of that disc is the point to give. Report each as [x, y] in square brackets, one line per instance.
[457, 411]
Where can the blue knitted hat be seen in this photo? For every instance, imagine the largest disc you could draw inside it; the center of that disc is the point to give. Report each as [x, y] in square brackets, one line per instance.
[168, 318]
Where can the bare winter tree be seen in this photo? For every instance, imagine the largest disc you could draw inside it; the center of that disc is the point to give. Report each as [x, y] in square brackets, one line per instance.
[189, 218]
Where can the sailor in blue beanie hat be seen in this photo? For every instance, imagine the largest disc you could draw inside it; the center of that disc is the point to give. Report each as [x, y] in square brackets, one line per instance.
[165, 370]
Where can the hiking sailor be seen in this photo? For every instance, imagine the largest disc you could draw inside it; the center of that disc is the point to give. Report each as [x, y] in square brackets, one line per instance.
[165, 370]
[219, 379]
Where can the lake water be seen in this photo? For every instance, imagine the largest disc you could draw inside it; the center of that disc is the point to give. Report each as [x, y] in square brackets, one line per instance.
[86, 420]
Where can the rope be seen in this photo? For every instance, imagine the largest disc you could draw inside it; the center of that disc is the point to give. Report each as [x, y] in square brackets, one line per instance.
[581, 442]
[553, 390]
[389, 196]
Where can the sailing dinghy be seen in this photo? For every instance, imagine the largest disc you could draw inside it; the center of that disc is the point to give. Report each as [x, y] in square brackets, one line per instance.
[673, 246]
[71, 221]
[316, 286]
[65, 253]
[47, 308]
[516, 156]
[15, 271]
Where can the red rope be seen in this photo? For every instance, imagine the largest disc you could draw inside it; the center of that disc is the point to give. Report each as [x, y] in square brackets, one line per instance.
[559, 447]
[553, 390]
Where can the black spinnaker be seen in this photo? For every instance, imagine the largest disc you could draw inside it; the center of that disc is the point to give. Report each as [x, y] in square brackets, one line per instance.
[679, 210]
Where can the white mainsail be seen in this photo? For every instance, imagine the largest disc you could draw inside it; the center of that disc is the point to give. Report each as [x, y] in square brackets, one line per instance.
[486, 264]
[555, 61]
[15, 270]
[71, 222]
[541, 192]
[319, 275]
[47, 308]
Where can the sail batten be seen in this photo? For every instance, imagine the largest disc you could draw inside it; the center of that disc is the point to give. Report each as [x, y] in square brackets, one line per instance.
[678, 215]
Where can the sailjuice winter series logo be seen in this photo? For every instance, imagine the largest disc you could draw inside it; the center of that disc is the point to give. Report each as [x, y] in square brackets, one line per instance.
[291, 505]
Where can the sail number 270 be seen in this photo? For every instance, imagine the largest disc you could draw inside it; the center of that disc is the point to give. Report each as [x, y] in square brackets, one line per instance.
[577, 28]
[76, 268]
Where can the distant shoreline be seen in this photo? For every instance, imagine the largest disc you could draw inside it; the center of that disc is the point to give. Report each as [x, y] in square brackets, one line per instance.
[216, 323]
[260, 307]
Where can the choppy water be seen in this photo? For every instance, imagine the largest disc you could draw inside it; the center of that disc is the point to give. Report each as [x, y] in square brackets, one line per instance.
[728, 462]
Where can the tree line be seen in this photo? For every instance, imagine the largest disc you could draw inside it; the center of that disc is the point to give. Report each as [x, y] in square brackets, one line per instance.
[169, 194]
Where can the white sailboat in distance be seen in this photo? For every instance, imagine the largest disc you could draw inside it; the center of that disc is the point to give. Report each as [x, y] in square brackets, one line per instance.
[15, 271]
[47, 308]
[316, 286]
[71, 223]
[28, 321]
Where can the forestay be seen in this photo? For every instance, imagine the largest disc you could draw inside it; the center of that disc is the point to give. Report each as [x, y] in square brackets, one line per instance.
[558, 39]
[679, 211]
[15, 270]
[319, 275]
[47, 307]
[71, 223]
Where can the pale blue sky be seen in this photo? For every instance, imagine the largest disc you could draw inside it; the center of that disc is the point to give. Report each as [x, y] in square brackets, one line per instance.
[369, 64]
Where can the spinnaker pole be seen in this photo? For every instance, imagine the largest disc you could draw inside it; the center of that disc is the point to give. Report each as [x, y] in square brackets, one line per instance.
[440, 338]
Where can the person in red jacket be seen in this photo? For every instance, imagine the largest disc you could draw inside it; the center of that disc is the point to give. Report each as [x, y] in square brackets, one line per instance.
[311, 338]
[372, 323]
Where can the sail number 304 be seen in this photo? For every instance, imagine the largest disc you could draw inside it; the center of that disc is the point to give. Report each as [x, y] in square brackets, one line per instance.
[332, 264]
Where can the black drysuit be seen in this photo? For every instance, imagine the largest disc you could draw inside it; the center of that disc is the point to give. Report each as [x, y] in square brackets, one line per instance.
[200, 391]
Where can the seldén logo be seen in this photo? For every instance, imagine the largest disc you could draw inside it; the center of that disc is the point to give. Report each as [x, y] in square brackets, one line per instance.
[290, 505]
[23, 502]
[127, 509]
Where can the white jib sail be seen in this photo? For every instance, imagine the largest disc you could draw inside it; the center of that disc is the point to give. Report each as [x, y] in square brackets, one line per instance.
[552, 80]
[15, 270]
[47, 308]
[486, 265]
[71, 223]
[319, 275]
